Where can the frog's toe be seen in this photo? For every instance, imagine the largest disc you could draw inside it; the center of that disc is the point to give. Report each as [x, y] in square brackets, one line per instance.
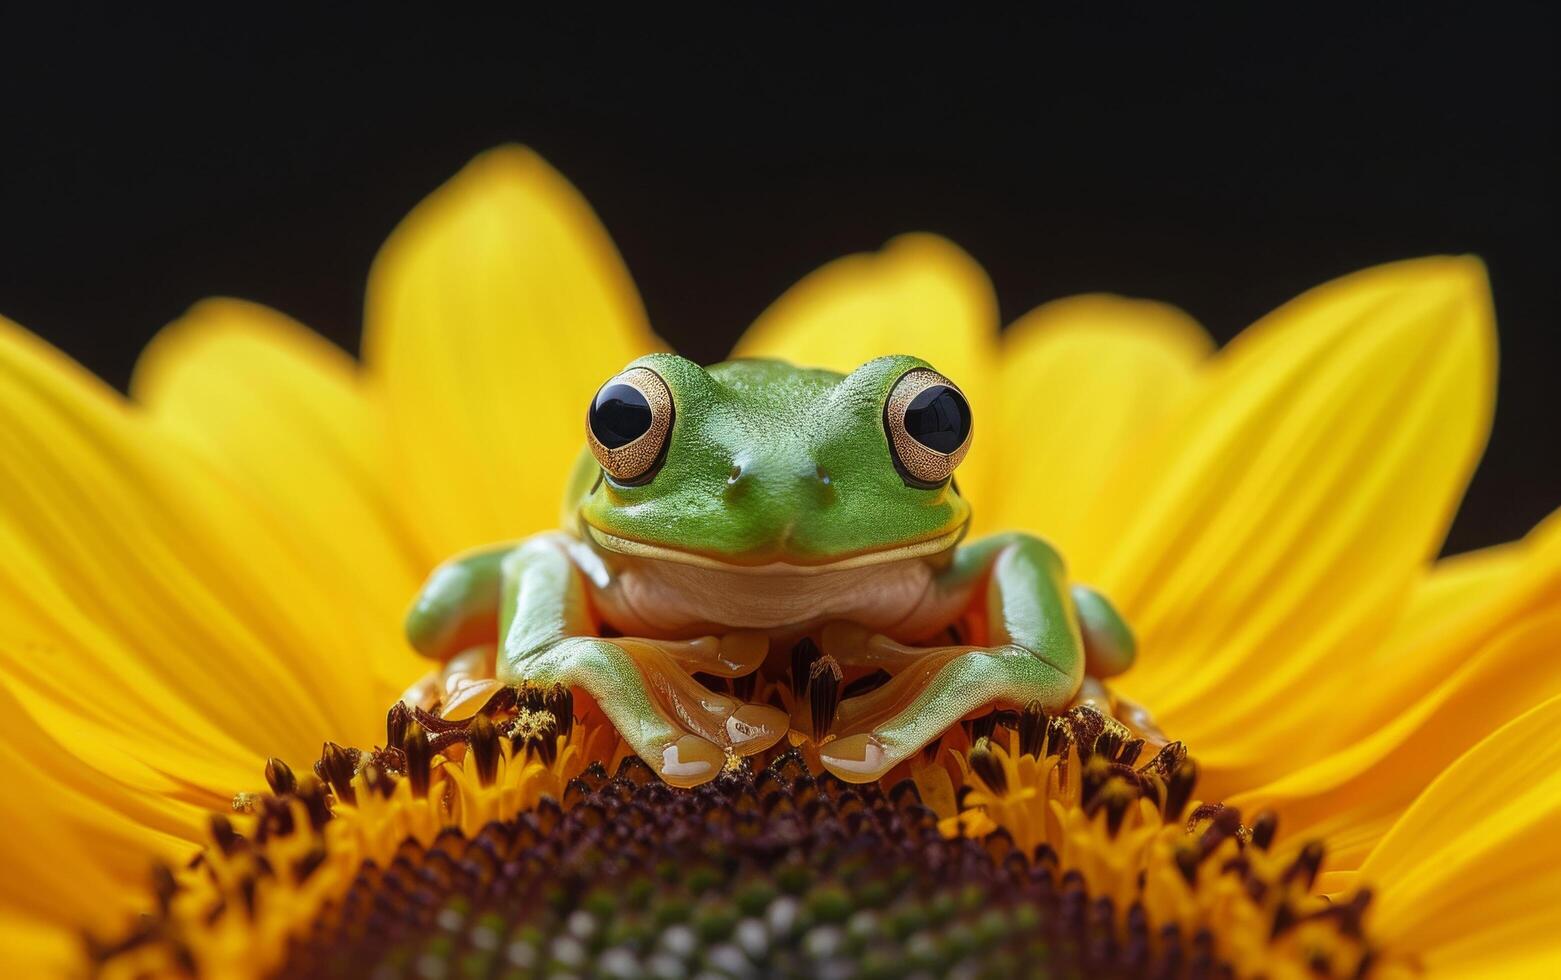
[876, 731]
[858, 758]
[741, 652]
[690, 761]
[753, 728]
[730, 655]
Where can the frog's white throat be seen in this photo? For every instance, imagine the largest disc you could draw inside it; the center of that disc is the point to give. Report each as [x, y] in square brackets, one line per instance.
[657, 591]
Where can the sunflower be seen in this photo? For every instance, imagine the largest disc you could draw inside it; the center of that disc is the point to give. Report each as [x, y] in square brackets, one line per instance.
[204, 582]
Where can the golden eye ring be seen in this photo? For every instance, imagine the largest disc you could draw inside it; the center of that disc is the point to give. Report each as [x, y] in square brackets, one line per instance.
[629, 424]
[929, 425]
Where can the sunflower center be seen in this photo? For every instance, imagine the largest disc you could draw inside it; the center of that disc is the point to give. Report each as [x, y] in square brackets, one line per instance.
[782, 873]
[1022, 843]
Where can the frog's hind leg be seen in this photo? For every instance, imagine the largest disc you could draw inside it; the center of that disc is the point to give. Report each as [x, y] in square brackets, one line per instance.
[1109, 650]
[458, 607]
[1109, 646]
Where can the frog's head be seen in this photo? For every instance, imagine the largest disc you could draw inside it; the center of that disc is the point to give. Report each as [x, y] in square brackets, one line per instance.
[756, 462]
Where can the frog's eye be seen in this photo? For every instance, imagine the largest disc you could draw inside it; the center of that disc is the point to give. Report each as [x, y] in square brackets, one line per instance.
[929, 427]
[629, 423]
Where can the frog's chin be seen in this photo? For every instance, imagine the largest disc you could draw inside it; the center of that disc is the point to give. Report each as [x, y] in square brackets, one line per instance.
[640, 549]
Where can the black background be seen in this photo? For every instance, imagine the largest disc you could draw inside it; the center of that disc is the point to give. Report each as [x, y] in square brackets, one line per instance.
[1221, 159]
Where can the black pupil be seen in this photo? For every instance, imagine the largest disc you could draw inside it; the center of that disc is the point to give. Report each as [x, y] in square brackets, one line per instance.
[619, 415]
[939, 419]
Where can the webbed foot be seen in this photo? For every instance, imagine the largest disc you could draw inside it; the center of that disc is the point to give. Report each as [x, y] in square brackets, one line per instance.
[931, 689]
[680, 727]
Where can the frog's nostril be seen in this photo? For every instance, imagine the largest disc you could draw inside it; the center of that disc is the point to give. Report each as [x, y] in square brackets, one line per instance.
[734, 474]
[823, 476]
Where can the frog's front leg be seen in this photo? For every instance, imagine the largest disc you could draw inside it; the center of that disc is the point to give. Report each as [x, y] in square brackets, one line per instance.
[1036, 652]
[677, 725]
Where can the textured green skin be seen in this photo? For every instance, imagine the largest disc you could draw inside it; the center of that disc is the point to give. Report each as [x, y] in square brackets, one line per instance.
[780, 425]
[771, 463]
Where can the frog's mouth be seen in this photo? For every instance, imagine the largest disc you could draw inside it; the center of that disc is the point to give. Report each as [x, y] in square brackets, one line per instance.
[789, 565]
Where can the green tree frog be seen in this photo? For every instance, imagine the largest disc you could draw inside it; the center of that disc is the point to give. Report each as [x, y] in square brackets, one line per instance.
[719, 517]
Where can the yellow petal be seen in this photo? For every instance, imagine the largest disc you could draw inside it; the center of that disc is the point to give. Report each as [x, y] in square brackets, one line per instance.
[152, 619]
[1450, 613]
[1474, 617]
[283, 414]
[39, 947]
[1469, 879]
[1081, 382]
[1465, 602]
[920, 295]
[77, 848]
[937, 790]
[1290, 506]
[1351, 798]
[494, 312]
